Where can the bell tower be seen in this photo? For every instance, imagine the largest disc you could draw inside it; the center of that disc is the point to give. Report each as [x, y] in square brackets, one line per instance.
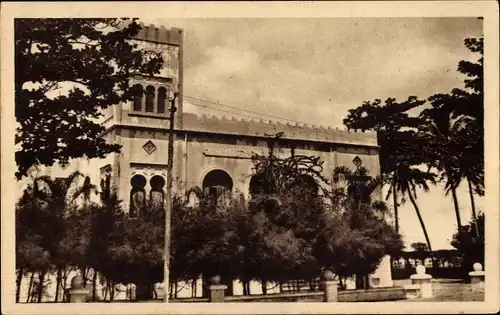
[141, 125]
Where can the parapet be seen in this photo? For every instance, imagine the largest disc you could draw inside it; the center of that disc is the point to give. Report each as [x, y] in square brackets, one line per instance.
[262, 128]
[162, 35]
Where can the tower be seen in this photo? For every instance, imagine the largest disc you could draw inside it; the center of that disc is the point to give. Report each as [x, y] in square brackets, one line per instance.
[141, 125]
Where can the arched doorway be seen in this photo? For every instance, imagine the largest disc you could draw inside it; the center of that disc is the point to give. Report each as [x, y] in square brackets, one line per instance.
[137, 195]
[219, 185]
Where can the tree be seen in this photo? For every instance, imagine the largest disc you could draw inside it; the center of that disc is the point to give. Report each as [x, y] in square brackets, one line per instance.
[281, 188]
[470, 244]
[453, 127]
[357, 236]
[43, 226]
[421, 250]
[396, 137]
[136, 249]
[419, 246]
[402, 150]
[31, 255]
[66, 72]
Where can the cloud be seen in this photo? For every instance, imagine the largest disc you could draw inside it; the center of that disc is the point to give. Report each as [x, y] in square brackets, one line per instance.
[314, 70]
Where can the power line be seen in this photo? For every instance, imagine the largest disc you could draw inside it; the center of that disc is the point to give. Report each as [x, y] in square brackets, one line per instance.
[244, 110]
[248, 116]
[227, 111]
[324, 132]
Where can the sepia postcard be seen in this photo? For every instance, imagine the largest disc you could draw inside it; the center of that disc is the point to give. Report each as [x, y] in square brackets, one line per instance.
[264, 157]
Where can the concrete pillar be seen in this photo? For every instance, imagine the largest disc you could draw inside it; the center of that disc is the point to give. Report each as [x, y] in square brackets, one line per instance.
[330, 287]
[477, 278]
[217, 293]
[423, 280]
[77, 293]
[216, 290]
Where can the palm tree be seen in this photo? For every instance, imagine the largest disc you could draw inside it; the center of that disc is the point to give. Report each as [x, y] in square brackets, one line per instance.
[469, 165]
[405, 181]
[438, 130]
[61, 195]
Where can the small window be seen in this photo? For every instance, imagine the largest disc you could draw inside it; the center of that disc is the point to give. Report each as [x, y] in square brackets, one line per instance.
[138, 93]
[162, 98]
[150, 98]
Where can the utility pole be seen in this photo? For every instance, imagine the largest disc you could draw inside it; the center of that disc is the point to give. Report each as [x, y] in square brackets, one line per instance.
[168, 210]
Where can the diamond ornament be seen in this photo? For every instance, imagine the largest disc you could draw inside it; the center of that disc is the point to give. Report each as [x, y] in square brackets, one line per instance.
[357, 161]
[149, 147]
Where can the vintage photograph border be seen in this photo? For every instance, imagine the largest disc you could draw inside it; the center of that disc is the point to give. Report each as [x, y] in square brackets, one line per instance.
[486, 9]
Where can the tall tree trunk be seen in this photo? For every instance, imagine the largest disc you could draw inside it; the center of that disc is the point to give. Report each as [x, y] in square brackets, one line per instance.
[94, 286]
[63, 283]
[106, 290]
[264, 287]
[193, 288]
[245, 288]
[473, 206]
[30, 288]
[19, 280]
[395, 201]
[84, 276]
[455, 201]
[427, 240]
[457, 209]
[41, 278]
[58, 283]
[111, 290]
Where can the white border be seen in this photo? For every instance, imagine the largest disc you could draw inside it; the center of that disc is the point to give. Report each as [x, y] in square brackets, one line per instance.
[487, 9]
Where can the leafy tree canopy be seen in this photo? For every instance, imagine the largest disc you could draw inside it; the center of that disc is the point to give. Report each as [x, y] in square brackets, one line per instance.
[66, 72]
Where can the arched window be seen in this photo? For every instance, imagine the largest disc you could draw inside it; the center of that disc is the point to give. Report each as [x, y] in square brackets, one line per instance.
[156, 195]
[137, 195]
[150, 99]
[218, 184]
[138, 93]
[162, 98]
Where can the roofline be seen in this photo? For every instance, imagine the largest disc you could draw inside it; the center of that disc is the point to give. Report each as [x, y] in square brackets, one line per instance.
[260, 137]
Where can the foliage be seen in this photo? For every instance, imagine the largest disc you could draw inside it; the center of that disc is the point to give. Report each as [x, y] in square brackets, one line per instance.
[419, 247]
[470, 244]
[93, 59]
[444, 134]
[356, 236]
[51, 231]
[136, 249]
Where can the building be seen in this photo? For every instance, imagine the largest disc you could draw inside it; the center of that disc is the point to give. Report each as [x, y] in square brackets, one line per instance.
[208, 151]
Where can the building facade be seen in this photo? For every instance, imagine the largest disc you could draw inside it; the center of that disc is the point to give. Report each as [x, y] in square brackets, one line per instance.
[208, 151]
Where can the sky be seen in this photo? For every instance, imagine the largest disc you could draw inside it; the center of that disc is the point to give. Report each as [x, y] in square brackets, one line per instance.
[314, 70]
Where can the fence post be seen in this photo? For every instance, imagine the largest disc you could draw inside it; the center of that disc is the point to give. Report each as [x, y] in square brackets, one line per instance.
[217, 290]
[330, 287]
[477, 278]
[423, 280]
[77, 293]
